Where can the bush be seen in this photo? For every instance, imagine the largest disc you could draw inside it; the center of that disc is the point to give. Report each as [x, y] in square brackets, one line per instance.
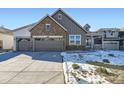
[73, 74]
[102, 70]
[106, 61]
[81, 56]
[111, 55]
[75, 66]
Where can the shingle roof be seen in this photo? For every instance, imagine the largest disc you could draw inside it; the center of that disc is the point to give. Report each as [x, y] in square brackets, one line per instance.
[108, 29]
[32, 25]
[25, 27]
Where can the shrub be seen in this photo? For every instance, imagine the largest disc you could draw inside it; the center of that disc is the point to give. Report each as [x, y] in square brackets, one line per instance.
[75, 66]
[81, 56]
[106, 61]
[111, 55]
[73, 74]
[102, 70]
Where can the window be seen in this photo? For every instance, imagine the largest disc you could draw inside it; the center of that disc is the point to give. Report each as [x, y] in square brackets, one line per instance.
[47, 27]
[59, 16]
[98, 41]
[74, 39]
[37, 39]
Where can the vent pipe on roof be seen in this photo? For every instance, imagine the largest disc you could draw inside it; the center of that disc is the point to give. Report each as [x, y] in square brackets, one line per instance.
[87, 27]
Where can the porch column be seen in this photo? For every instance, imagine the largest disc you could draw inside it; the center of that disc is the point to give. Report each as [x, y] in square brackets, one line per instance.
[33, 40]
[102, 42]
[92, 42]
[14, 45]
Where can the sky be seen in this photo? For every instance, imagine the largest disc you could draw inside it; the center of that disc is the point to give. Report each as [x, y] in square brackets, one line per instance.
[97, 18]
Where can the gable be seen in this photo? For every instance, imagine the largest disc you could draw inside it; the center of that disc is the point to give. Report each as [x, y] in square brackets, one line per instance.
[71, 25]
[55, 28]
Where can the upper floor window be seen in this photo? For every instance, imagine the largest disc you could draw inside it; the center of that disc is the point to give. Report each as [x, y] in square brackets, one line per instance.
[47, 26]
[59, 16]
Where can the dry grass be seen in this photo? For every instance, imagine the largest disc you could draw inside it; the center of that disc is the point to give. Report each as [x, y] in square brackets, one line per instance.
[106, 65]
[117, 75]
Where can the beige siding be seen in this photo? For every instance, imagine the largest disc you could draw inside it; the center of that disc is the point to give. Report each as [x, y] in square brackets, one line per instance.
[7, 41]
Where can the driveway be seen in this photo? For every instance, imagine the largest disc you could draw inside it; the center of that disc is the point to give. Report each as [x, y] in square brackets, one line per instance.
[31, 68]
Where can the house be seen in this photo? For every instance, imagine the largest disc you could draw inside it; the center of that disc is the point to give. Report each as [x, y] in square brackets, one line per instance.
[6, 39]
[53, 32]
[121, 39]
[94, 40]
[106, 38]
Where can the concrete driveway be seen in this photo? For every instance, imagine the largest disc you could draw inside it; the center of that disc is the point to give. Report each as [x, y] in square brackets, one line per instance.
[31, 68]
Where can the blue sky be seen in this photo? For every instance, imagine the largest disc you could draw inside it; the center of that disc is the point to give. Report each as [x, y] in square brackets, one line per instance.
[98, 18]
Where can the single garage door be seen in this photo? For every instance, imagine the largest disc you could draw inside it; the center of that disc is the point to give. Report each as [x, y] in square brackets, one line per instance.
[111, 46]
[1, 44]
[24, 45]
[48, 44]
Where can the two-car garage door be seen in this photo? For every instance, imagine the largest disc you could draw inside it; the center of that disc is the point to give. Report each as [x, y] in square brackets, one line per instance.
[41, 44]
[111, 45]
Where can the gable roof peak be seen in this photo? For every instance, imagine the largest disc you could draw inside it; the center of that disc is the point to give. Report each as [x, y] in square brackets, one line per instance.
[69, 18]
[51, 19]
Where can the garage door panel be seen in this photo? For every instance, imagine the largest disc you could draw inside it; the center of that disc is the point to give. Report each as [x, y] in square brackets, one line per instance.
[111, 46]
[48, 45]
[24, 45]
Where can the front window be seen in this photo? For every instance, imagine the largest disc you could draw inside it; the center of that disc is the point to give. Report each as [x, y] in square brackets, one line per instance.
[47, 26]
[74, 39]
[98, 41]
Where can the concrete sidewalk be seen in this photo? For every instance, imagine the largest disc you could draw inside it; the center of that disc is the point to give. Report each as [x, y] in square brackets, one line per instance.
[22, 69]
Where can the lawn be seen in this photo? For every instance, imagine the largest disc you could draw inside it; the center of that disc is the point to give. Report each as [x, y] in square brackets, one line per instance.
[96, 67]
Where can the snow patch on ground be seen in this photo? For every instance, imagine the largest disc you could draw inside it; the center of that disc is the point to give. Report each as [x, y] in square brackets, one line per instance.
[84, 75]
[87, 73]
[117, 59]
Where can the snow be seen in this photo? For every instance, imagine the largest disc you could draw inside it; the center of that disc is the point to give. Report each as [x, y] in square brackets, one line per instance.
[117, 59]
[87, 73]
[82, 78]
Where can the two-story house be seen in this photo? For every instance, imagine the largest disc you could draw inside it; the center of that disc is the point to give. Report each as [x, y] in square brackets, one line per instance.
[121, 38]
[104, 38]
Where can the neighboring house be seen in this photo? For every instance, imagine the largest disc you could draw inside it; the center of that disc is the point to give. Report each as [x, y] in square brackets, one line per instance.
[121, 39]
[56, 32]
[6, 39]
[94, 40]
[106, 38]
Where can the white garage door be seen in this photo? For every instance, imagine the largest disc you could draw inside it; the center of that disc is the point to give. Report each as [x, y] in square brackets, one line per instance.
[111, 46]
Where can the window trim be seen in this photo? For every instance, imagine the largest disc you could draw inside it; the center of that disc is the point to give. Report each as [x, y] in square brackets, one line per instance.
[46, 26]
[59, 18]
[74, 40]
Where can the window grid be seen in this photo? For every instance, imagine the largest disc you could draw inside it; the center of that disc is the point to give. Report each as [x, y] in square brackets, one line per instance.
[74, 39]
